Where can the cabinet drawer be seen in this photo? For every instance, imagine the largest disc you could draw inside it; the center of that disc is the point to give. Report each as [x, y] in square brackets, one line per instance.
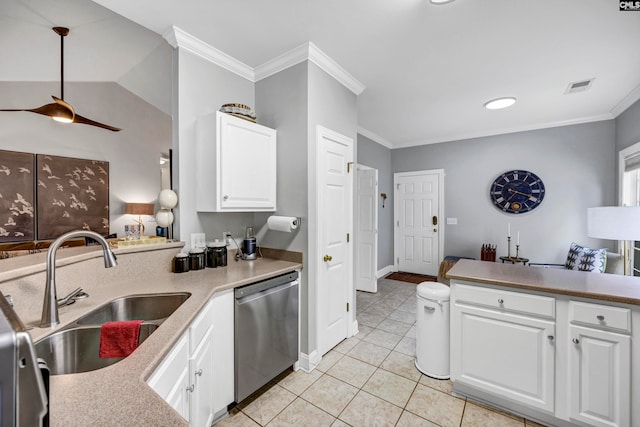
[505, 300]
[199, 327]
[600, 316]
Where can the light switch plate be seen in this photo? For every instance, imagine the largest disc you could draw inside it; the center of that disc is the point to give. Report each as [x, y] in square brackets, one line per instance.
[198, 240]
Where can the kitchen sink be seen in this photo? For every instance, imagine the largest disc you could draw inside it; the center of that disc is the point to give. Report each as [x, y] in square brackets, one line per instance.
[75, 348]
[136, 307]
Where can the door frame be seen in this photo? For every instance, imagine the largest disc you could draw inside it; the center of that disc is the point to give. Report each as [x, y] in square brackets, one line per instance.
[315, 243]
[441, 229]
[356, 236]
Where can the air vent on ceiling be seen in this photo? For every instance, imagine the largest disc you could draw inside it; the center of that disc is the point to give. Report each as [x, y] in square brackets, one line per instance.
[580, 86]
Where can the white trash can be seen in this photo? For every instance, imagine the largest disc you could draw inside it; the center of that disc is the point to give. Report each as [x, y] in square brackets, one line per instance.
[432, 329]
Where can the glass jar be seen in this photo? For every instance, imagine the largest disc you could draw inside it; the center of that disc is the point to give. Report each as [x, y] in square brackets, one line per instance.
[216, 254]
[181, 263]
[196, 259]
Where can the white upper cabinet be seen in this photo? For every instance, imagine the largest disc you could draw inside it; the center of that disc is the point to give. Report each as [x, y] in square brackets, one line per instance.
[235, 165]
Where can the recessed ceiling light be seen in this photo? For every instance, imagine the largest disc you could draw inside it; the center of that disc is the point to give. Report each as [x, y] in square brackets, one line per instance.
[440, 1]
[498, 103]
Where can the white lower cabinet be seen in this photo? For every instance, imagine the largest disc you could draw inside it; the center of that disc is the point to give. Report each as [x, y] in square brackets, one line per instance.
[506, 347]
[599, 374]
[196, 381]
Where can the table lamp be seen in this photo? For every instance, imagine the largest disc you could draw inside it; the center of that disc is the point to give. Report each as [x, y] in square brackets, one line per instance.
[139, 209]
[615, 223]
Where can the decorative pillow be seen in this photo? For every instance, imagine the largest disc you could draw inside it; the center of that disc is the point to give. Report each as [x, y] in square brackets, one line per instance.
[586, 259]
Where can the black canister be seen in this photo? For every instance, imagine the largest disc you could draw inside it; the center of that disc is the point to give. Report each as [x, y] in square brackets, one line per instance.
[181, 263]
[216, 254]
[196, 259]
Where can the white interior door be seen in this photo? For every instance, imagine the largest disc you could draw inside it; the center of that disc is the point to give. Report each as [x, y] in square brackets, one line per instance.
[418, 216]
[335, 272]
[366, 226]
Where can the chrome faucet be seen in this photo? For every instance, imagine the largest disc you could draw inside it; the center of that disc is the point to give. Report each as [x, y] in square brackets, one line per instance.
[50, 306]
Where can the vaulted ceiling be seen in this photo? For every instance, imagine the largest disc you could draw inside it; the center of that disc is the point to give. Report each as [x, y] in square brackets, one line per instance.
[427, 69]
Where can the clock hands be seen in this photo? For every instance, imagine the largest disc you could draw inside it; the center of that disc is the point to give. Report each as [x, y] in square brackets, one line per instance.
[517, 192]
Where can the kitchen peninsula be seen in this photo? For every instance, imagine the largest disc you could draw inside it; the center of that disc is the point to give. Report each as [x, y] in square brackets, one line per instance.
[555, 345]
[118, 394]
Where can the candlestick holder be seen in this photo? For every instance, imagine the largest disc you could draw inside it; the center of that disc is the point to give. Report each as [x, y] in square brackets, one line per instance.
[508, 246]
[517, 250]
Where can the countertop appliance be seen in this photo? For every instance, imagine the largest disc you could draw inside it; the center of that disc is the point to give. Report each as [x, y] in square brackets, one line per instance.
[266, 331]
[249, 245]
[23, 378]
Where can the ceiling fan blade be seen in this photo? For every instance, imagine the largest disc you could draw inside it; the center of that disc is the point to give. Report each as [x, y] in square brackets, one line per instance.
[49, 110]
[85, 121]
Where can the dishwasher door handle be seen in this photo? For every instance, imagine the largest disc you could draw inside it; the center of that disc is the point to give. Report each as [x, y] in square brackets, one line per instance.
[261, 294]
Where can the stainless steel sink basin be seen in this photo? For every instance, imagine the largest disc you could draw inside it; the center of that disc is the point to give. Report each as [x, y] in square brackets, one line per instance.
[136, 307]
[76, 350]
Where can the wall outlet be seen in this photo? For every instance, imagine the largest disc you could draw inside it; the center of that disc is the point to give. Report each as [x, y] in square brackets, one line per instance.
[198, 240]
[226, 237]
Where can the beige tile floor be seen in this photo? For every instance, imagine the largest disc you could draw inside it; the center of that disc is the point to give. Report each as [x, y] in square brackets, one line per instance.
[368, 380]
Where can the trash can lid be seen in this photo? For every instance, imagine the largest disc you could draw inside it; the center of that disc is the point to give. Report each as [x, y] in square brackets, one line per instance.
[434, 290]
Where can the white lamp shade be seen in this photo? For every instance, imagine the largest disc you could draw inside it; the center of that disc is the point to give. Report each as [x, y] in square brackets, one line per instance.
[164, 218]
[168, 199]
[614, 222]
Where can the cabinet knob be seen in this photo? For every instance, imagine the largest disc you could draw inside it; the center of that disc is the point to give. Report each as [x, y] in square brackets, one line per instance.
[600, 317]
[576, 341]
[225, 197]
[327, 258]
[191, 388]
[199, 372]
[550, 337]
[500, 301]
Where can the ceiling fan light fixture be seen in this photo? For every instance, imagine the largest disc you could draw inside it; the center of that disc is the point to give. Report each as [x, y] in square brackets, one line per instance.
[499, 103]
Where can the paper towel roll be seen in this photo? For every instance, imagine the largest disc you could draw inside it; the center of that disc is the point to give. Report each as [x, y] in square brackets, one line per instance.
[282, 223]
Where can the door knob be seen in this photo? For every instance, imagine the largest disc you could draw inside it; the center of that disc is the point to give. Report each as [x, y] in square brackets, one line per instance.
[327, 258]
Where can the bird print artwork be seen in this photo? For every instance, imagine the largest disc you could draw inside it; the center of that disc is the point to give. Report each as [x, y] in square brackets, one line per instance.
[17, 201]
[75, 202]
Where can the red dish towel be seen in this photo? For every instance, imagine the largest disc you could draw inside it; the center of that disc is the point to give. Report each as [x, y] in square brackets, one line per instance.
[119, 339]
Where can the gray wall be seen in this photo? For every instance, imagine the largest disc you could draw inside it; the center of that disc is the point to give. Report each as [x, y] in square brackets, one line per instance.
[133, 153]
[376, 156]
[576, 163]
[628, 127]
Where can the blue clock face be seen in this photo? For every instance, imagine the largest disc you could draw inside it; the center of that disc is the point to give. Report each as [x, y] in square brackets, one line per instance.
[517, 191]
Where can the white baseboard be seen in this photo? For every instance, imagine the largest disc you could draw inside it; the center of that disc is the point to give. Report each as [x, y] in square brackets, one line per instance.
[384, 271]
[308, 362]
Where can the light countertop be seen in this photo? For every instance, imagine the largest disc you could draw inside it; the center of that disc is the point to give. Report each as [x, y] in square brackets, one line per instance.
[118, 394]
[601, 286]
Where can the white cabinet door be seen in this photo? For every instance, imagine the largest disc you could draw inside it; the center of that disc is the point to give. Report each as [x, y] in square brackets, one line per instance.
[202, 381]
[223, 361]
[171, 379]
[235, 165]
[504, 354]
[600, 367]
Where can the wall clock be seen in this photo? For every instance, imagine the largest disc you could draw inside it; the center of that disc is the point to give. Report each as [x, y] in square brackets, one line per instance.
[517, 191]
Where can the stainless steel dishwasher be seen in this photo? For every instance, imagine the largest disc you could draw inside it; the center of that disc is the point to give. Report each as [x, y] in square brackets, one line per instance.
[266, 331]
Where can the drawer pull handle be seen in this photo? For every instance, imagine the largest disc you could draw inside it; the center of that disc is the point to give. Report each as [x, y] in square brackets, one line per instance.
[199, 372]
[427, 308]
[576, 341]
[550, 337]
[191, 388]
[500, 301]
[600, 317]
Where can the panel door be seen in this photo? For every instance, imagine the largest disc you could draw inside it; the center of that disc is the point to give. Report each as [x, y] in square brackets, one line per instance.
[366, 237]
[335, 275]
[505, 354]
[417, 244]
[202, 381]
[600, 367]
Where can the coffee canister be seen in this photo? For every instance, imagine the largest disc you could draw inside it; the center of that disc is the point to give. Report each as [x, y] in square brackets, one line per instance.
[181, 263]
[196, 259]
[216, 254]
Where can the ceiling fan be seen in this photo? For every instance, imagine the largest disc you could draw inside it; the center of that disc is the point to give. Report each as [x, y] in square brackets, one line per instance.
[60, 110]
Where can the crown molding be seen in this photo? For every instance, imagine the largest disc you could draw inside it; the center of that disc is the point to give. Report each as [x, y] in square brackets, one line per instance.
[309, 51]
[626, 102]
[374, 137]
[504, 131]
[180, 39]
